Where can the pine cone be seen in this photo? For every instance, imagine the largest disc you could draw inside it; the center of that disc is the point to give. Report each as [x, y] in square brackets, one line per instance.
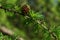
[25, 10]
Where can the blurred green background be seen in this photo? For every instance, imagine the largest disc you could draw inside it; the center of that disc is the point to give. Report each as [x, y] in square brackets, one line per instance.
[42, 24]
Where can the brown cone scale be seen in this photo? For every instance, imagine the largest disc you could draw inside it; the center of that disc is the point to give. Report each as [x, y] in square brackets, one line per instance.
[25, 10]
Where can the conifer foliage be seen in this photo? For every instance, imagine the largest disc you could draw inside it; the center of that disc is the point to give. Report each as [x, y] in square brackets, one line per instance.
[29, 20]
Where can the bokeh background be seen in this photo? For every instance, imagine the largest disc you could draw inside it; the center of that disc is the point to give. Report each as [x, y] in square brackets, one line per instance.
[42, 24]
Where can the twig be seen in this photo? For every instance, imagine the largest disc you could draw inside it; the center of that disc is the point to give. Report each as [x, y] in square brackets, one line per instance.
[53, 35]
[6, 31]
[10, 10]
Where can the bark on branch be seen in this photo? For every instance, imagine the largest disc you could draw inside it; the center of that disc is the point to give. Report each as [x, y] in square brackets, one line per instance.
[9, 32]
